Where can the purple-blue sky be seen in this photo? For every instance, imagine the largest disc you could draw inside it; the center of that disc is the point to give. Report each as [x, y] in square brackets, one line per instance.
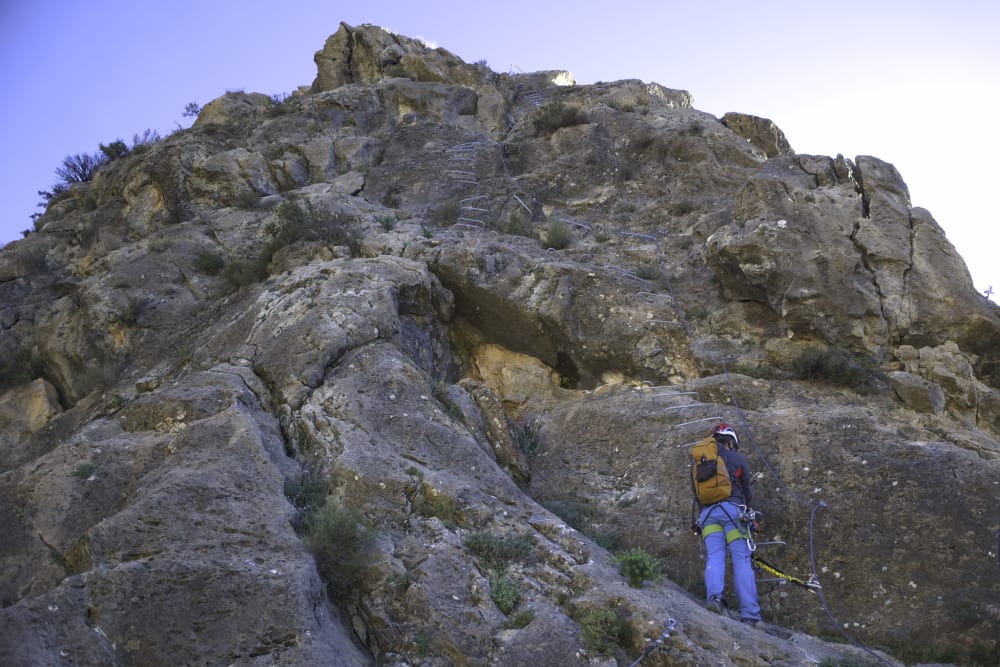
[915, 83]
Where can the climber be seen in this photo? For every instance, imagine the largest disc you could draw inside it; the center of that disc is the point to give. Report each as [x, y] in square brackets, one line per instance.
[727, 523]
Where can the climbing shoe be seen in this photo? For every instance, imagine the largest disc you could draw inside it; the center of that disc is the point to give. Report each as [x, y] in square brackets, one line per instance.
[716, 604]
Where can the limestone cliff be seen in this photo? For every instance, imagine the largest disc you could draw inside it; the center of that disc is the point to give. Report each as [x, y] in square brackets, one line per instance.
[472, 319]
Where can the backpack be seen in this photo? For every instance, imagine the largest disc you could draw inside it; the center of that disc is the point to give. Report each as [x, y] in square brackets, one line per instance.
[709, 475]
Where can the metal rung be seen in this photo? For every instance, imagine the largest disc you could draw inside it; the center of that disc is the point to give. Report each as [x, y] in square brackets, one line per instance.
[642, 236]
[472, 220]
[696, 421]
[473, 208]
[526, 207]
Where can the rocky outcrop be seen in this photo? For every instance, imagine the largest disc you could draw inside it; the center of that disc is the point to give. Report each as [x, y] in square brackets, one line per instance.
[470, 320]
[763, 133]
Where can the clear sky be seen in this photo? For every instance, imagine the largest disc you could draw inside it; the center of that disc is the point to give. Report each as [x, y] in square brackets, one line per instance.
[915, 83]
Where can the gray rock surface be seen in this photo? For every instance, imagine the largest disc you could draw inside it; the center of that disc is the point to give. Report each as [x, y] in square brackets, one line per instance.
[483, 314]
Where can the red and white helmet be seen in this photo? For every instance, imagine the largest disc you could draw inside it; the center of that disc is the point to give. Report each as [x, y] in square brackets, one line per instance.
[724, 430]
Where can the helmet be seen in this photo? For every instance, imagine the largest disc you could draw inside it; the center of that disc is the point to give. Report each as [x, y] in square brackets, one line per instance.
[724, 430]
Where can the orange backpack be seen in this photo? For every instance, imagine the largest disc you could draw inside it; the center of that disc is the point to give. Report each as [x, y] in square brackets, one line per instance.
[709, 476]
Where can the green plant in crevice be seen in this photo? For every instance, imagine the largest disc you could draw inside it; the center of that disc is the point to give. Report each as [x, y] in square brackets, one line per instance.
[527, 438]
[504, 591]
[603, 630]
[308, 492]
[521, 619]
[209, 263]
[497, 551]
[340, 540]
[430, 502]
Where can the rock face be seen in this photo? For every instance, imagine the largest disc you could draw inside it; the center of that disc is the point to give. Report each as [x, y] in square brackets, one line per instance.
[394, 371]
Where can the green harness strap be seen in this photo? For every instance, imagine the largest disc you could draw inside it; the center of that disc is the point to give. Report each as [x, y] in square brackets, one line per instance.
[731, 536]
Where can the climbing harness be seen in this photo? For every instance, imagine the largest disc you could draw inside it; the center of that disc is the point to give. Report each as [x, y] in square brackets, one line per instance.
[671, 624]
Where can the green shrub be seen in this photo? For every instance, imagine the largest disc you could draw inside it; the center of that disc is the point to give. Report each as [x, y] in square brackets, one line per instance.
[295, 222]
[603, 630]
[79, 168]
[576, 511]
[141, 142]
[386, 222]
[429, 502]
[516, 223]
[497, 551]
[20, 369]
[421, 644]
[557, 235]
[239, 273]
[837, 367]
[504, 591]
[116, 150]
[557, 114]
[340, 541]
[246, 200]
[696, 129]
[446, 213]
[209, 263]
[638, 566]
[283, 103]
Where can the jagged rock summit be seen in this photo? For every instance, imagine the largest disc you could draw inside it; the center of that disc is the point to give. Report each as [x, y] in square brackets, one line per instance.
[399, 369]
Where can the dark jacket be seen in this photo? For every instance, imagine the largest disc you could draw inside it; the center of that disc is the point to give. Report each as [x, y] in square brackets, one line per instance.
[739, 476]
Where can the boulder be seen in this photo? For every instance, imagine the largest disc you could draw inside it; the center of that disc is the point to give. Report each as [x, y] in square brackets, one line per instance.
[917, 393]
